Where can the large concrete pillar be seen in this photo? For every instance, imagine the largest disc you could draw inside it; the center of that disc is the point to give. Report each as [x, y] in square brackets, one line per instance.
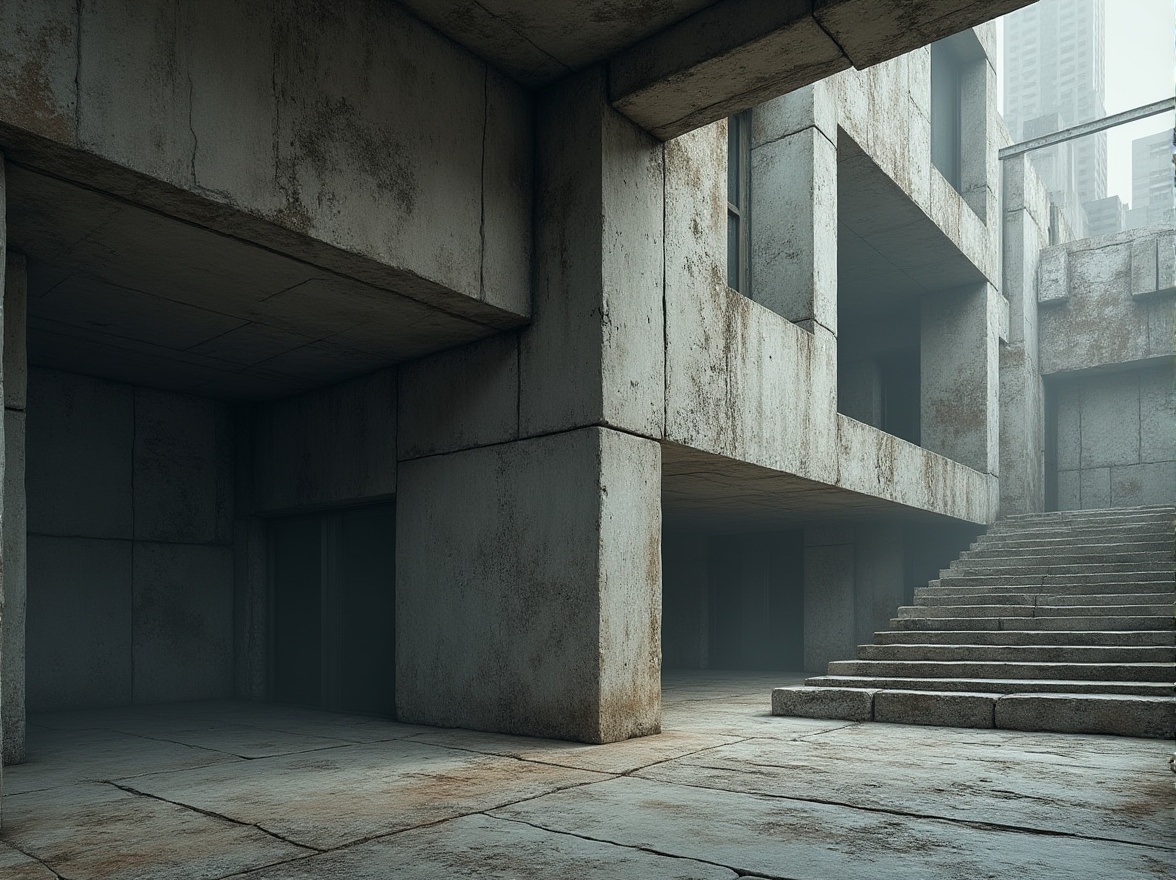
[794, 206]
[1022, 398]
[528, 552]
[3, 616]
[15, 381]
[528, 587]
[960, 330]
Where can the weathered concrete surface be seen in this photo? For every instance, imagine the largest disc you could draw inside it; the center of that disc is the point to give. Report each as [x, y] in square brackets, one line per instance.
[552, 574]
[736, 54]
[1114, 439]
[1094, 309]
[959, 387]
[730, 791]
[593, 353]
[13, 581]
[327, 447]
[130, 554]
[334, 151]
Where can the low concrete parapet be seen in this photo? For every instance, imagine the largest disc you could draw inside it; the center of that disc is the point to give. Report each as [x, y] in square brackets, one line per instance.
[942, 710]
[846, 704]
[1108, 714]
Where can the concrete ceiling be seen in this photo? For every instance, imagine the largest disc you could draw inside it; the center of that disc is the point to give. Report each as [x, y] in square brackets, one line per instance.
[713, 494]
[121, 292]
[537, 43]
[889, 252]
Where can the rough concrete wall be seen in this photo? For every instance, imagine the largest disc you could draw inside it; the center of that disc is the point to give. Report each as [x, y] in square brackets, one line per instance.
[310, 129]
[886, 110]
[1107, 301]
[129, 557]
[550, 567]
[685, 592]
[13, 586]
[1115, 443]
[1026, 211]
[332, 446]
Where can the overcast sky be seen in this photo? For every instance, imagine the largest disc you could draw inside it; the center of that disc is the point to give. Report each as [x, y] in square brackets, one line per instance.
[1140, 69]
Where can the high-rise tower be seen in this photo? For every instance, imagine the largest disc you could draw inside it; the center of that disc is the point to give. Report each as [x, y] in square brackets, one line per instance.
[1054, 63]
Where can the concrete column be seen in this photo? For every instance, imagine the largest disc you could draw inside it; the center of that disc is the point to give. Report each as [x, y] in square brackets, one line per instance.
[528, 579]
[794, 209]
[1022, 398]
[829, 594]
[15, 381]
[4, 647]
[959, 375]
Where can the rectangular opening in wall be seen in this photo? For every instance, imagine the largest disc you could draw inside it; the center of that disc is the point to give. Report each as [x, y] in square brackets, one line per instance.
[946, 94]
[738, 200]
[332, 620]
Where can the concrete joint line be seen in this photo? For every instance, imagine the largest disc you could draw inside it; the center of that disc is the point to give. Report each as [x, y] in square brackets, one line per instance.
[800, 130]
[39, 861]
[968, 823]
[214, 815]
[644, 849]
[603, 425]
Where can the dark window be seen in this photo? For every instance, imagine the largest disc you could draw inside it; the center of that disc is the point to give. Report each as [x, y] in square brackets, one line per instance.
[738, 199]
[945, 112]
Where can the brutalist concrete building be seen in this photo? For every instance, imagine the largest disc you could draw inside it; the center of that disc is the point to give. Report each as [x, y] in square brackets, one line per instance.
[471, 362]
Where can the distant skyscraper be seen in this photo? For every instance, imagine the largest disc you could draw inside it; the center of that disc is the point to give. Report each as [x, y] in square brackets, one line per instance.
[1054, 63]
[1153, 193]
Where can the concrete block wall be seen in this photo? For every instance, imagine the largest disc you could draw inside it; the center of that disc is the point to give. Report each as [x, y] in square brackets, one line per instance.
[14, 555]
[1115, 441]
[274, 122]
[1107, 301]
[130, 558]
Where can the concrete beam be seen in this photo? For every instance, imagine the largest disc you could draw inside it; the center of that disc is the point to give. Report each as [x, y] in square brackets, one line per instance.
[735, 54]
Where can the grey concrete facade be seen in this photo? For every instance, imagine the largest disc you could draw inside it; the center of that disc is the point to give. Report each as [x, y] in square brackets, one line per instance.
[285, 263]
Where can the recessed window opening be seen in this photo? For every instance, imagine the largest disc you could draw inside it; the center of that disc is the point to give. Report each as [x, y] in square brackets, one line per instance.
[946, 121]
[738, 201]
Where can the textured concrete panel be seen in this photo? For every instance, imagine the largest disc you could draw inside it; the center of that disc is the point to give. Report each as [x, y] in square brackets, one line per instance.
[80, 434]
[182, 620]
[547, 554]
[829, 630]
[13, 590]
[794, 202]
[1136, 485]
[1069, 426]
[594, 351]
[183, 461]
[327, 447]
[1069, 490]
[463, 397]
[1110, 420]
[15, 290]
[1095, 487]
[78, 634]
[1157, 414]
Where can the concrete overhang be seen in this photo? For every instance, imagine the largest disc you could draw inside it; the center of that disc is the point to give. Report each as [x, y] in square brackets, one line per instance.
[889, 252]
[676, 65]
[879, 477]
[122, 292]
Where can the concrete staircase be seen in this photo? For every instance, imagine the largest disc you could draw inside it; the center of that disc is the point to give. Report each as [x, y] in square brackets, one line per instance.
[1055, 621]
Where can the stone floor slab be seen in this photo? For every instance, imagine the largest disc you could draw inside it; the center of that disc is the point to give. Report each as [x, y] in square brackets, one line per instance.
[15, 865]
[1014, 790]
[69, 756]
[779, 837]
[336, 797]
[493, 849]
[95, 831]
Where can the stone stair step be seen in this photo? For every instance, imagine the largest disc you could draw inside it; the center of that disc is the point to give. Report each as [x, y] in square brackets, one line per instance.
[1115, 638]
[1007, 670]
[1120, 589]
[1055, 653]
[1157, 542]
[1042, 599]
[1075, 556]
[1069, 578]
[1122, 610]
[995, 685]
[1046, 568]
[1152, 622]
[1120, 715]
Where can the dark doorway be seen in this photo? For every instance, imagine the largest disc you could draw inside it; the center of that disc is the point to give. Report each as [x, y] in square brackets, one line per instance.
[333, 611]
